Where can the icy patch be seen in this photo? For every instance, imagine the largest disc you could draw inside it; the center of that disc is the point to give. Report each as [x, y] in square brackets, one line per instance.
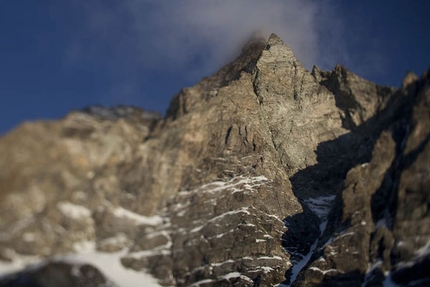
[321, 207]
[298, 266]
[137, 218]
[73, 211]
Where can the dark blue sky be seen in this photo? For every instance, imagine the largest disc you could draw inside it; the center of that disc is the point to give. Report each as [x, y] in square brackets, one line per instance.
[56, 56]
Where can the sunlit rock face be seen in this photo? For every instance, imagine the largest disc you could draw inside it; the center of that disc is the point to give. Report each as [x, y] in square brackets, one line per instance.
[264, 173]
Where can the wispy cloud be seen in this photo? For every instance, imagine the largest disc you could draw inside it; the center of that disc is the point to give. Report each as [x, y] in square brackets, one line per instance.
[198, 37]
[190, 39]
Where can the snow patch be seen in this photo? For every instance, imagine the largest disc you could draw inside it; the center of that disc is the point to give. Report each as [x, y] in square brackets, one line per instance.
[29, 237]
[248, 183]
[230, 275]
[270, 258]
[266, 269]
[205, 281]
[110, 265]
[73, 211]
[297, 267]
[321, 206]
[222, 263]
[423, 251]
[181, 213]
[324, 271]
[222, 234]
[137, 218]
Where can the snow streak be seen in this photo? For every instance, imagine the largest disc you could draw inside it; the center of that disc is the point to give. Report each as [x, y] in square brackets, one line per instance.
[321, 207]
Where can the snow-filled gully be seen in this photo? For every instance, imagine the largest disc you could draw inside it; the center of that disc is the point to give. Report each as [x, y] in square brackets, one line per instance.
[321, 207]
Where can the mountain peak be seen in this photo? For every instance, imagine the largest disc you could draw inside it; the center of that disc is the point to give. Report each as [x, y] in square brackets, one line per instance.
[259, 174]
[275, 40]
[278, 51]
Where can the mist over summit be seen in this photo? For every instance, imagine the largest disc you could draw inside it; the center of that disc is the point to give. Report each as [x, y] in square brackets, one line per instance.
[140, 52]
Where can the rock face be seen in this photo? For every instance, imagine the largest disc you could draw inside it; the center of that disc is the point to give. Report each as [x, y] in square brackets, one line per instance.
[260, 174]
[380, 223]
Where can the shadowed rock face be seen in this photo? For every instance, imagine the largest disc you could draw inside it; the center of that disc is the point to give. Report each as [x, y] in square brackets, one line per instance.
[380, 223]
[259, 174]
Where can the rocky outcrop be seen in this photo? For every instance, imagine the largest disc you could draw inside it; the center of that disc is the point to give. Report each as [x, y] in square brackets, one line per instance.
[380, 225]
[260, 174]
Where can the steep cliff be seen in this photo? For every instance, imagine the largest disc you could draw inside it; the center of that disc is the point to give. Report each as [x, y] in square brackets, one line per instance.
[260, 174]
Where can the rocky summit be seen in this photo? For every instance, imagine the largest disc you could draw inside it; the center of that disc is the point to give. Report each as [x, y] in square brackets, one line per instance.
[264, 174]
